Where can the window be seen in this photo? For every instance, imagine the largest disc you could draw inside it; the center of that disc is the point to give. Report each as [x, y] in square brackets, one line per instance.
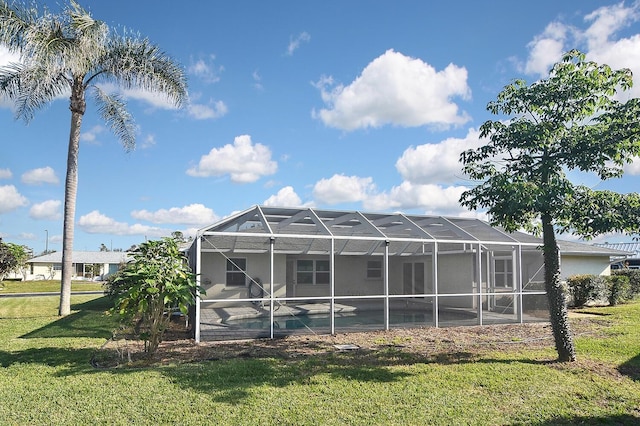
[236, 275]
[374, 269]
[57, 266]
[310, 271]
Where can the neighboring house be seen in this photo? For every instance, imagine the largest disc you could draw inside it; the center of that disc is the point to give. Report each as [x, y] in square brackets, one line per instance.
[578, 258]
[86, 264]
[269, 271]
[631, 261]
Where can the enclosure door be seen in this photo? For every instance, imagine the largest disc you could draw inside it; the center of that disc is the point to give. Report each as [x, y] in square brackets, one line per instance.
[503, 282]
[413, 277]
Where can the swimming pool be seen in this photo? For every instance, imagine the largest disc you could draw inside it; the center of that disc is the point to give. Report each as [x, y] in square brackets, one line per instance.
[323, 321]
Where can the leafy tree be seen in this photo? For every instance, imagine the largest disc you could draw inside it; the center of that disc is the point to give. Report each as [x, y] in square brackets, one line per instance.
[154, 284]
[178, 236]
[72, 53]
[571, 120]
[8, 260]
[13, 258]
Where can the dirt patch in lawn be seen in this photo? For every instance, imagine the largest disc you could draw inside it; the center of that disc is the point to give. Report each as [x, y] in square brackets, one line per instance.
[428, 344]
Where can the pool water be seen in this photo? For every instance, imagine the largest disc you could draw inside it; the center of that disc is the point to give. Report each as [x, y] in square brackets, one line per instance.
[324, 321]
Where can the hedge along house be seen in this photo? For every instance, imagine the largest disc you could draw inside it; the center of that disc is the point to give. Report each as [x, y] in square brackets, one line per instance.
[271, 271]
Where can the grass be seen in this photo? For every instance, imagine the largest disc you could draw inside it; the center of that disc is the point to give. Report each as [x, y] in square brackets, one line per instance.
[46, 286]
[47, 378]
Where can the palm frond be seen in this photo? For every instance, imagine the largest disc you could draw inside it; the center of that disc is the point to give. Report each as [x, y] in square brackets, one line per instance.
[114, 112]
[14, 20]
[30, 88]
[136, 63]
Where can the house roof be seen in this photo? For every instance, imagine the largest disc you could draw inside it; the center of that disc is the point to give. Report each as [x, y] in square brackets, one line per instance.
[311, 222]
[111, 257]
[572, 247]
[632, 249]
[306, 230]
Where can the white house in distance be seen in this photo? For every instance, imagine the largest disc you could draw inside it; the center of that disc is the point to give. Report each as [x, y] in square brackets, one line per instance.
[49, 266]
[271, 271]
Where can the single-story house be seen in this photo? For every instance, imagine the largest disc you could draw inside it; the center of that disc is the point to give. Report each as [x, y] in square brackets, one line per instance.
[86, 264]
[270, 271]
[631, 261]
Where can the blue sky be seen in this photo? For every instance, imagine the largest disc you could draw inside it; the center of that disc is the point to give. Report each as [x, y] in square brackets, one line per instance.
[334, 104]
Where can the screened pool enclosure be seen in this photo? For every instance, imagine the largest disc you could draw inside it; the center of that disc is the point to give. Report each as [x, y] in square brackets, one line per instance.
[270, 272]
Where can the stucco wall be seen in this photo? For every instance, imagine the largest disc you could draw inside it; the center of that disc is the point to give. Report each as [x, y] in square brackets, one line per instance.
[213, 275]
[573, 265]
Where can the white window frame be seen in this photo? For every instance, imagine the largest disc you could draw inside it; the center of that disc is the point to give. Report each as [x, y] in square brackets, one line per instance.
[314, 271]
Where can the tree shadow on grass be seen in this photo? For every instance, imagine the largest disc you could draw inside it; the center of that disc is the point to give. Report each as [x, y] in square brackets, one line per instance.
[68, 361]
[231, 380]
[90, 320]
[617, 419]
[631, 368]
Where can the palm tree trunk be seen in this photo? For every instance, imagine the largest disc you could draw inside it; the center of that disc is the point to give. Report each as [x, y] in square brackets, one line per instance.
[77, 107]
[556, 294]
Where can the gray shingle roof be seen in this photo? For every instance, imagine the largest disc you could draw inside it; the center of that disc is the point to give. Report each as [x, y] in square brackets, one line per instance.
[630, 248]
[111, 257]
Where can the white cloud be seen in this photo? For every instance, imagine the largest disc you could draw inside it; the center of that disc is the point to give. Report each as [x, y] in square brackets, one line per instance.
[215, 109]
[97, 223]
[294, 43]
[11, 199]
[91, 136]
[155, 99]
[193, 214]
[633, 168]
[546, 49]
[598, 41]
[205, 69]
[5, 174]
[286, 197]
[342, 189]
[40, 176]
[606, 21]
[434, 199]
[438, 162]
[396, 89]
[148, 142]
[243, 161]
[47, 210]
[257, 80]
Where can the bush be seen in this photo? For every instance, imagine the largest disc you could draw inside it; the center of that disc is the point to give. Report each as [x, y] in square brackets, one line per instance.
[151, 287]
[619, 289]
[586, 288]
[634, 280]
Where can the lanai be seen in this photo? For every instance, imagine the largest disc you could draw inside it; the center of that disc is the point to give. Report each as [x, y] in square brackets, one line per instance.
[270, 271]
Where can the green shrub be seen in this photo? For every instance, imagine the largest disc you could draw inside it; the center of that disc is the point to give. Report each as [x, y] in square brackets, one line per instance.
[634, 280]
[586, 288]
[619, 289]
[150, 287]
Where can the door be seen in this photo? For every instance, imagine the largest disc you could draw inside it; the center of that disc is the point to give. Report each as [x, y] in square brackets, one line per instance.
[413, 277]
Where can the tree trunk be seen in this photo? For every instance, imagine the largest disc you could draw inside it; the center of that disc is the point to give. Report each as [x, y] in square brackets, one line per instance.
[556, 294]
[77, 107]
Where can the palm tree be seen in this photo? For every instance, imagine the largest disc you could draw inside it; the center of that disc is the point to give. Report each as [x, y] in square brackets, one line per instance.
[71, 53]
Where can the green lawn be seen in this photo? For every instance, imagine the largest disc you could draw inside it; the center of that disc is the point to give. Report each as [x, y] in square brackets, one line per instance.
[46, 378]
[44, 286]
